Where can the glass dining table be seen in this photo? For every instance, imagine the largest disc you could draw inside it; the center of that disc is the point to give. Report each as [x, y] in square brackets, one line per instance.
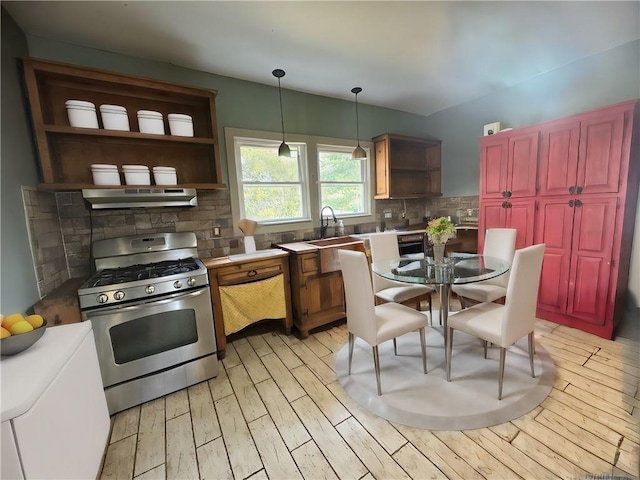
[442, 274]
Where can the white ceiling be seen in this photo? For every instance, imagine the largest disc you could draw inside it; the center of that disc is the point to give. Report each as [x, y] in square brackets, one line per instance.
[419, 57]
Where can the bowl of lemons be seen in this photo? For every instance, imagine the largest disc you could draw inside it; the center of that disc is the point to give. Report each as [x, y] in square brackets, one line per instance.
[17, 332]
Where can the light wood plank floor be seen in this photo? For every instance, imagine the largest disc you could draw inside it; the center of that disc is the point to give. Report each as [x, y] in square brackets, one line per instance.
[276, 411]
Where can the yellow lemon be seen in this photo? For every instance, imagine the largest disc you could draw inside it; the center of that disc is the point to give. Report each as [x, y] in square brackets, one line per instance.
[4, 333]
[20, 327]
[10, 320]
[35, 320]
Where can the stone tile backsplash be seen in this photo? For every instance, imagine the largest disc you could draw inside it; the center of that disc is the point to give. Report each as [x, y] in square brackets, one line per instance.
[62, 227]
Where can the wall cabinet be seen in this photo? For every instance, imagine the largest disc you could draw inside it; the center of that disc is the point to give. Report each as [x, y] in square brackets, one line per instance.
[406, 167]
[509, 165]
[66, 153]
[583, 209]
[246, 289]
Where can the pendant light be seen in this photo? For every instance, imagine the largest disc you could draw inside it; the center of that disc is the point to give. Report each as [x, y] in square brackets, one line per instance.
[283, 150]
[358, 152]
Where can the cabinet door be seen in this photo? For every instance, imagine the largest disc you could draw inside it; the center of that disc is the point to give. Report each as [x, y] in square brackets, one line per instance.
[593, 231]
[554, 224]
[522, 165]
[382, 169]
[559, 158]
[520, 215]
[492, 215]
[600, 153]
[493, 166]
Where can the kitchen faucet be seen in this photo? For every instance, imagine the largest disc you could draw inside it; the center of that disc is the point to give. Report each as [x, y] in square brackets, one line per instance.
[324, 226]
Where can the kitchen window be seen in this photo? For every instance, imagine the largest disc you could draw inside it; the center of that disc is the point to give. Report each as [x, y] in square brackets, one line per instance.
[342, 180]
[287, 194]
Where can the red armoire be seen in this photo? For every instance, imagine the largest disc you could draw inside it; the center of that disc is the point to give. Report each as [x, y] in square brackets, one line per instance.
[571, 184]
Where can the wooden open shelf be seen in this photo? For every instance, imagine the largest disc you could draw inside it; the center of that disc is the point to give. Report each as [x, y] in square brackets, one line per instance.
[66, 153]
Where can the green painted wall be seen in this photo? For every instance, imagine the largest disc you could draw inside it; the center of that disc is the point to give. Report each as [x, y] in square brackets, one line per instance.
[604, 79]
[18, 166]
[249, 105]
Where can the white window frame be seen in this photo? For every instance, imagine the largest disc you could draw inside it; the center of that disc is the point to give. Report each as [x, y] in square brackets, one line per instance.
[309, 167]
[366, 179]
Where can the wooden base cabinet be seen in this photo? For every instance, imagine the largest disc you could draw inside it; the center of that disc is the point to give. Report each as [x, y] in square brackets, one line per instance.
[252, 274]
[583, 211]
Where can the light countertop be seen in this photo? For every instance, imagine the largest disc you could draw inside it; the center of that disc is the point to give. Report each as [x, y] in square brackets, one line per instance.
[26, 375]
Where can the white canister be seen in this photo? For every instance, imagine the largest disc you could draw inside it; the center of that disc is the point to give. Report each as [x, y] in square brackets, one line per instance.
[136, 174]
[81, 114]
[114, 117]
[150, 122]
[105, 174]
[180, 124]
[165, 176]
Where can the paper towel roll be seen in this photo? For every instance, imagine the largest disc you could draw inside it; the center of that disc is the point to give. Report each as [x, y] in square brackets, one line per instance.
[249, 244]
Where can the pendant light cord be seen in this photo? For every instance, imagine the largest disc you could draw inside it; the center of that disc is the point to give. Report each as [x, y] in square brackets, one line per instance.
[357, 122]
[281, 114]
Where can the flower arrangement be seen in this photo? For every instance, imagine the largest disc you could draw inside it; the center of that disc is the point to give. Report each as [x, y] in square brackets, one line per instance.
[440, 230]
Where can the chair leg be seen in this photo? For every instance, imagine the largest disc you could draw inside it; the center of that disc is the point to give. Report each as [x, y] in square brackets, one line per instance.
[430, 309]
[532, 350]
[448, 352]
[376, 364]
[463, 304]
[351, 342]
[395, 348]
[423, 344]
[484, 346]
[503, 354]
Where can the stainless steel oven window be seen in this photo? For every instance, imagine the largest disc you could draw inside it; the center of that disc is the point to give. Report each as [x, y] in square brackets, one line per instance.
[153, 334]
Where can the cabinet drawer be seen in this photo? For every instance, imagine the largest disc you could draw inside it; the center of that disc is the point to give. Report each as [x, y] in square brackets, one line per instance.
[248, 272]
[309, 263]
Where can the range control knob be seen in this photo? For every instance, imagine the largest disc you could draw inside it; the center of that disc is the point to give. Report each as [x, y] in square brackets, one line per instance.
[191, 282]
[102, 298]
[150, 289]
[119, 295]
[177, 284]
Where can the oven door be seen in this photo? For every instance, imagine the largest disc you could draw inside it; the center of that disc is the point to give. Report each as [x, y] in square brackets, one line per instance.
[140, 339]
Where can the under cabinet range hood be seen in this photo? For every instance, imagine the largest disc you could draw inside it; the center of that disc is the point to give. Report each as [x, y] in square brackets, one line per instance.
[140, 197]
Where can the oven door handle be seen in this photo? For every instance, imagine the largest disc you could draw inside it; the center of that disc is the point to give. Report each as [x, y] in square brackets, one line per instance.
[145, 303]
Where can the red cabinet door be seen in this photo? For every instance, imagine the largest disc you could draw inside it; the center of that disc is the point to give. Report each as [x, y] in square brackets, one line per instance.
[518, 214]
[601, 138]
[522, 165]
[554, 225]
[592, 247]
[559, 158]
[493, 166]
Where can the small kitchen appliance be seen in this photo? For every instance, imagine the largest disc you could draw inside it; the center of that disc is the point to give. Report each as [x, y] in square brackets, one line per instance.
[149, 304]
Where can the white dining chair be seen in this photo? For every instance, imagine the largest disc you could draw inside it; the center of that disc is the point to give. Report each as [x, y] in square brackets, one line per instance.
[384, 246]
[498, 243]
[373, 323]
[503, 325]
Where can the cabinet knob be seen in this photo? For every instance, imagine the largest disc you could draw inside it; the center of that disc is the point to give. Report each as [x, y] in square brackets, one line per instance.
[579, 190]
[509, 193]
[251, 273]
[571, 203]
[504, 194]
[578, 203]
[572, 190]
[504, 204]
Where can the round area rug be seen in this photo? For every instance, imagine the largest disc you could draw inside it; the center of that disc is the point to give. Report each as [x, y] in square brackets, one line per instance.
[469, 401]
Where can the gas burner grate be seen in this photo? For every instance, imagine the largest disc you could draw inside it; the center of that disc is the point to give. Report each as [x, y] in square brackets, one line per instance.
[113, 276]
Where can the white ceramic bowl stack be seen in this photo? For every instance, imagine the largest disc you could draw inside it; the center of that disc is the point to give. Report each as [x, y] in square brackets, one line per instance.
[104, 174]
[81, 114]
[136, 174]
[165, 176]
[114, 117]
[180, 124]
[150, 122]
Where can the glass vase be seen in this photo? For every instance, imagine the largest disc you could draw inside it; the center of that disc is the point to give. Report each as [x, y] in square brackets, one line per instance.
[438, 252]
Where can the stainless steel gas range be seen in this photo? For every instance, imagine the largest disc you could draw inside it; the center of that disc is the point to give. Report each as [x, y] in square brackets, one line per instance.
[150, 307]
